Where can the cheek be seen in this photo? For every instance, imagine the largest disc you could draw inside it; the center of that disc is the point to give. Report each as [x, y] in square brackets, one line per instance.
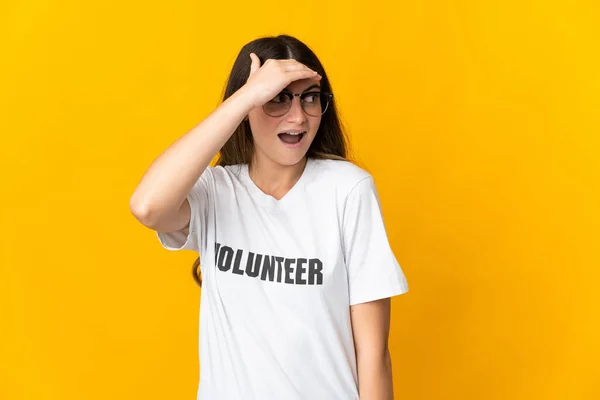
[261, 125]
[314, 124]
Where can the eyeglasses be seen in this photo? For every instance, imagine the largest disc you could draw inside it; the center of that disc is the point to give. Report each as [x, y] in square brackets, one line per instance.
[313, 103]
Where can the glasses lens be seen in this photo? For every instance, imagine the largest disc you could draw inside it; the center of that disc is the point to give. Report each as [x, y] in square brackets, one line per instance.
[311, 103]
[315, 104]
[277, 106]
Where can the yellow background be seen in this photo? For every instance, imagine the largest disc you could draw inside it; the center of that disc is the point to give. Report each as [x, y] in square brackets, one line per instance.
[479, 120]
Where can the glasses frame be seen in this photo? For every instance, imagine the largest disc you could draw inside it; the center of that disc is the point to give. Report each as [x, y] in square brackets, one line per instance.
[301, 96]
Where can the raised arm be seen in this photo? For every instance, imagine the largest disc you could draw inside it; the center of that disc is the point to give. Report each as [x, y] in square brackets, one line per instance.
[159, 201]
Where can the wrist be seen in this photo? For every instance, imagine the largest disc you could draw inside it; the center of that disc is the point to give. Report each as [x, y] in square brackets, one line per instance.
[243, 97]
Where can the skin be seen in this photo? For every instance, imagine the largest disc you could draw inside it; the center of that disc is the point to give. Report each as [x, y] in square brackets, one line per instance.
[370, 327]
[275, 170]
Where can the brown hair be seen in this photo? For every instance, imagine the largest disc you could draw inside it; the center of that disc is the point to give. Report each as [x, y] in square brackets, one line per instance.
[330, 141]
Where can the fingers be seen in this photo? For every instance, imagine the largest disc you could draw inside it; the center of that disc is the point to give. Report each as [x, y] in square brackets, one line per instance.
[301, 71]
[305, 73]
[295, 66]
[295, 69]
[255, 63]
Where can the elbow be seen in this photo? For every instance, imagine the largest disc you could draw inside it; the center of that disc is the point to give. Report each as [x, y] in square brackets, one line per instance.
[380, 359]
[375, 359]
[141, 211]
[387, 359]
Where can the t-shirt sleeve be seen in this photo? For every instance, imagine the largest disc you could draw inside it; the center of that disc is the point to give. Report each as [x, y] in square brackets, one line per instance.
[373, 271]
[192, 238]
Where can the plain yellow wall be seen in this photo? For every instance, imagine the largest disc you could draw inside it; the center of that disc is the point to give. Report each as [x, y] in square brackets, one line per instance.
[479, 120]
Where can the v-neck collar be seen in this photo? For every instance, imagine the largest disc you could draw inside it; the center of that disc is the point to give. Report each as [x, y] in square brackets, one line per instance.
[269, 201]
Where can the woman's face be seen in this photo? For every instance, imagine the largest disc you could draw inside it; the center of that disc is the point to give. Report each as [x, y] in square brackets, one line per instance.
[267, 131]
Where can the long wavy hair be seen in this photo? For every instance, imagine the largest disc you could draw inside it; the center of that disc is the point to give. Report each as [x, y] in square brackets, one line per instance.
[330, 142]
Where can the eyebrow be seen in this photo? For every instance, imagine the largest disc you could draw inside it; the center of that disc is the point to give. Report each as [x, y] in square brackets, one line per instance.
[316, 85]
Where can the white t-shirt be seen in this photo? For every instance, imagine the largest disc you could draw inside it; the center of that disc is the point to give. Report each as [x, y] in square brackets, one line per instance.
[279, 277]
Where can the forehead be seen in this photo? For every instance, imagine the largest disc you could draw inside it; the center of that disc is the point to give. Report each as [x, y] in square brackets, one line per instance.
[301, 85]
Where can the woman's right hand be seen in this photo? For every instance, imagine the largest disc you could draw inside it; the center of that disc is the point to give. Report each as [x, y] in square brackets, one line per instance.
[267, 81]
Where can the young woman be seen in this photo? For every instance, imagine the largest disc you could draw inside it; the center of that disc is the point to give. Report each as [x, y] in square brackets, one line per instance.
[296, 265]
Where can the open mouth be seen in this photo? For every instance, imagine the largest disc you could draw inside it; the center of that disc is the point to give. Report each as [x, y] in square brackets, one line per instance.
[291, 138]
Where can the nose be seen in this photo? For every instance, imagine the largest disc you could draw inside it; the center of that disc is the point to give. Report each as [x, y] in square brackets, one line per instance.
[296, 113]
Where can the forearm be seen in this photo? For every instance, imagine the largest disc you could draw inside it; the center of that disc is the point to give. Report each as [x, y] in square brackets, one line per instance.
[375, 377]
[170, 178]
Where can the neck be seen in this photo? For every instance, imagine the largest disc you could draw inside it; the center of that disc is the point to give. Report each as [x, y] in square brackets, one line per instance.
[275, 179]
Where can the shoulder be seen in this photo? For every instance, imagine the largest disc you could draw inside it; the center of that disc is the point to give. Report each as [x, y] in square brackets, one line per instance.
[343, 176]
[350, 187]
[341, 180]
